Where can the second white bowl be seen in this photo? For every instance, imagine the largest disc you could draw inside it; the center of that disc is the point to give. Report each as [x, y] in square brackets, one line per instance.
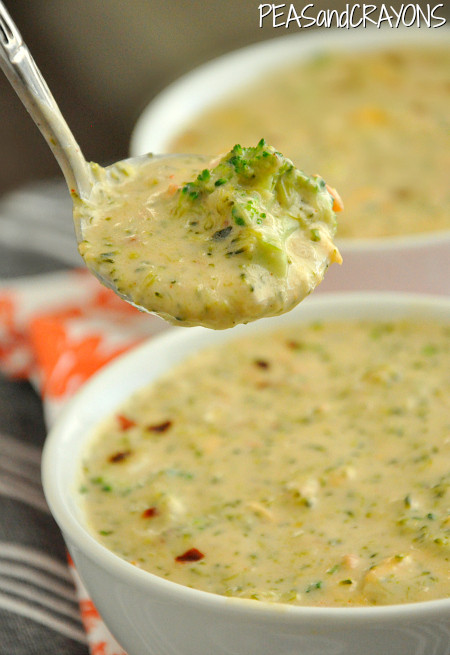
[153, 616]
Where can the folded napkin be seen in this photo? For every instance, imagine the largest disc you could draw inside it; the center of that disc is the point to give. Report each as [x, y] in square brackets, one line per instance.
[56, 330]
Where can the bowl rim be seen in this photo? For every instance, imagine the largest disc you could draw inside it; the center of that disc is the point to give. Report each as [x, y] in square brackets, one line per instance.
[198, 89]
[60, 495]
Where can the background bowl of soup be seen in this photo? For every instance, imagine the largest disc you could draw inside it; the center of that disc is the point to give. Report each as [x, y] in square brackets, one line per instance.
[151, 614]
[364, 108]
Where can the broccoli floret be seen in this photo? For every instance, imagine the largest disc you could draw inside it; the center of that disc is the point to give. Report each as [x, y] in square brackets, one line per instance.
[248, 167]
[252, 200]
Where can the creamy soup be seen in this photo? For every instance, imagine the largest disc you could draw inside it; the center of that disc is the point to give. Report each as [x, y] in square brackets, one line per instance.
[247, 237]
[306, 466]
[376, 123]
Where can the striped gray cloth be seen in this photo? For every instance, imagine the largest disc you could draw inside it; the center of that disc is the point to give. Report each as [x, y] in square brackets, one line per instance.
[36, 230]
[38, 608]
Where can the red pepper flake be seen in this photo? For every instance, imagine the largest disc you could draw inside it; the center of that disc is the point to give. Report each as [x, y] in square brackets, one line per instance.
[125, 423]
[150, 513]
[160, 427]
[191, 555]
[119, 457]
[262, 363]
[295, 345]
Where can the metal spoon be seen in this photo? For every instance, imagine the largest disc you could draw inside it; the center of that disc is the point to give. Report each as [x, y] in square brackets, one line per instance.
[22, 72]
[27, 81]
[276, 283]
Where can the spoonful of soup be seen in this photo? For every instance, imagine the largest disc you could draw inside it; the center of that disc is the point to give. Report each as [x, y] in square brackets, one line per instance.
[197, 240]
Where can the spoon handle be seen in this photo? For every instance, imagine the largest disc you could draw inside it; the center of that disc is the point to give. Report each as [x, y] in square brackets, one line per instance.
[27, 81]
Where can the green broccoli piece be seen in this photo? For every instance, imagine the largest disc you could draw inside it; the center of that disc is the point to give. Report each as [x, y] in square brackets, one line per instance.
[252, 200]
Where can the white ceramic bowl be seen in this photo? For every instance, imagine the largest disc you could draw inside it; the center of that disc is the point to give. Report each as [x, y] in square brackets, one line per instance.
[153, 616]
[409, 263]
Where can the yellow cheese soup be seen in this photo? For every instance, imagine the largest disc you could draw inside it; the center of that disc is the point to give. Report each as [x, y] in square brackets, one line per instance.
[308, 466]
[247, 237]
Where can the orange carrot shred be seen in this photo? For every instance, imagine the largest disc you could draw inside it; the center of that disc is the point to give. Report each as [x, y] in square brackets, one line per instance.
[338, 205]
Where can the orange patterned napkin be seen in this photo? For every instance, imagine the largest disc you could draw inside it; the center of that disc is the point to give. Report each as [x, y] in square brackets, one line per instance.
[57, 329]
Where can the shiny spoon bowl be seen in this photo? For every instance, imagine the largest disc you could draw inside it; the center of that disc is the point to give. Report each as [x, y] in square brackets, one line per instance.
[248, 236]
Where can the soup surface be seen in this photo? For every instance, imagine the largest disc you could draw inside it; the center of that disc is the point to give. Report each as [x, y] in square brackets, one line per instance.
[376, 124]
[210, 243]
[307, 466]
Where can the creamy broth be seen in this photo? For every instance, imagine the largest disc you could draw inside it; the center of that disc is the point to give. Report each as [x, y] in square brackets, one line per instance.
[306, 466]
[374, 123]
[210, 243]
